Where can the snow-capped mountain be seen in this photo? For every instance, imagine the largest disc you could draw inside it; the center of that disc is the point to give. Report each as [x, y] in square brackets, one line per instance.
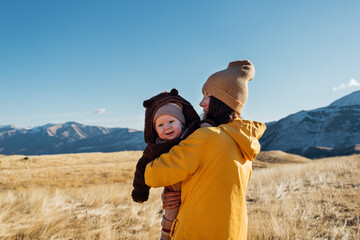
[69, 137]
[328, 131]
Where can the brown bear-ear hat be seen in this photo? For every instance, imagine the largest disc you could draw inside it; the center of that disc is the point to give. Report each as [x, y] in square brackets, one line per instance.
[159, 100]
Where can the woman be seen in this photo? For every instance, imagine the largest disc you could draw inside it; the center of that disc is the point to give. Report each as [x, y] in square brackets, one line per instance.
[213, 163]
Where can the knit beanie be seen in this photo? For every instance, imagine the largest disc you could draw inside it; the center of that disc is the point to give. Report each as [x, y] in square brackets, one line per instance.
[172, 109]
[231, 85]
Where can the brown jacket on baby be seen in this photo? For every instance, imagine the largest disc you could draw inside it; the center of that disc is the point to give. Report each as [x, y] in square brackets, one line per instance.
[153, 148]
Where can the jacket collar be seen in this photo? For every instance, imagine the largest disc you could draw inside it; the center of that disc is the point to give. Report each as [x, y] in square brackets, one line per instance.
[246, 134]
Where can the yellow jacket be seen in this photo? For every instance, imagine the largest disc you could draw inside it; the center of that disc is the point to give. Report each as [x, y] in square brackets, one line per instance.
[214, 165]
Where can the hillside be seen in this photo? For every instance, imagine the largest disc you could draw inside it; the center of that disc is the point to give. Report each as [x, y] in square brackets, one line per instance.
[271, 158]
[329, 131]
[324, 132]
[69, 137]
[87, 196]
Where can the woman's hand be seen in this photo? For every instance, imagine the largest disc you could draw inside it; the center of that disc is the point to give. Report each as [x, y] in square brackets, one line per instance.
[170, 199]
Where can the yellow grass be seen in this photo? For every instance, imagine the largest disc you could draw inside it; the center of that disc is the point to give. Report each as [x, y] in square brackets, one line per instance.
[87, 196]
[76, 196]
[316, 200]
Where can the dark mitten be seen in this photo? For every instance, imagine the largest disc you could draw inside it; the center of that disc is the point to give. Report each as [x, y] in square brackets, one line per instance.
[140, 192]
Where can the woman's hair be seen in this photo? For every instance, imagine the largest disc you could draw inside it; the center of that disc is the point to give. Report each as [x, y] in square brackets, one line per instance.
[219, 112]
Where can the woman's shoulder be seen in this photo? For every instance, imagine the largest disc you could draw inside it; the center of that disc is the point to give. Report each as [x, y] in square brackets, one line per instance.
[207, 131]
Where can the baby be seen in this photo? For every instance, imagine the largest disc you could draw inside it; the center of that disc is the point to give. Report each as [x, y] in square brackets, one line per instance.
[169, 118]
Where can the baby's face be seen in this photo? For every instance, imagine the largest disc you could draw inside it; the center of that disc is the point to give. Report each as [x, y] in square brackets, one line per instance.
[168, 127]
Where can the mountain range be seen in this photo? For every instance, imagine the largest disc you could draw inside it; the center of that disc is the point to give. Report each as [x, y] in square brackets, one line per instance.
[69, 137]
[328, 131]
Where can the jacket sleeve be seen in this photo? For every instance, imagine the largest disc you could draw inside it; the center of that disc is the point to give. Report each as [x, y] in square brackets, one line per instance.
[140, 192]
[179, 163]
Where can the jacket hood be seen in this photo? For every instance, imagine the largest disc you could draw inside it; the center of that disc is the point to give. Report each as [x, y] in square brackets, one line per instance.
[246, 134]
[157, 101]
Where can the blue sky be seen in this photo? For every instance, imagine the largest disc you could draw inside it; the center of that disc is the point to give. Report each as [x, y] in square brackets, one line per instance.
[95, 62]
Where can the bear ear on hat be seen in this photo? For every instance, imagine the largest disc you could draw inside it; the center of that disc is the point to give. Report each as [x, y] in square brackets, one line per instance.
[174, 92]
[148, 103]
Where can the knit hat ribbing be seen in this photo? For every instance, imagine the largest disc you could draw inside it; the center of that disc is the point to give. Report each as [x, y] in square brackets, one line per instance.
[172, 109]
[230, 85]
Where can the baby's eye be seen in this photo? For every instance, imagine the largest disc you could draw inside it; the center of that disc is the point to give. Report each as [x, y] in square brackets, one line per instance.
[160, 125]
[171, 121]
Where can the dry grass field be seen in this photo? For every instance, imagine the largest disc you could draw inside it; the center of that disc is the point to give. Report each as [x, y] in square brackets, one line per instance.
[87, 196]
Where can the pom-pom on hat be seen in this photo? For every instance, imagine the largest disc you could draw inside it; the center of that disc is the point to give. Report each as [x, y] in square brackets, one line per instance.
[231, 85]
[173, 109]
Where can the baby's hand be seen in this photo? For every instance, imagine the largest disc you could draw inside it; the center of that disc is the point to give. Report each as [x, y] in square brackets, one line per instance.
[170, 199]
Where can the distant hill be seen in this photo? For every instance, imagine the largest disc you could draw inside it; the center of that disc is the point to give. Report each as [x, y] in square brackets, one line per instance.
[69, 137]
[267, 159]
[280, 157]
[324, 132]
